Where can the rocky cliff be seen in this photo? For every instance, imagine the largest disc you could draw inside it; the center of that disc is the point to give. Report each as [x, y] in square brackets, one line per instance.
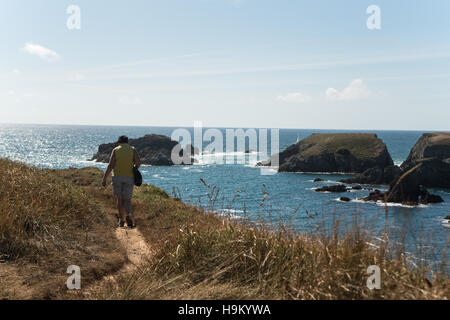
[432, 150]
[337, 152]
[152, 149]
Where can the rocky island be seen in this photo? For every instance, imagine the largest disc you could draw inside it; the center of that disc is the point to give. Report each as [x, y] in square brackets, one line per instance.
[338, 152]
[366, 156]
[153, 150]
[428, 165]
[432, 151]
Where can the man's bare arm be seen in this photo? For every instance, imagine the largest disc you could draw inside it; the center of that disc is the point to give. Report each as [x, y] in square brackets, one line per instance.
[112, 162]
[137, 160]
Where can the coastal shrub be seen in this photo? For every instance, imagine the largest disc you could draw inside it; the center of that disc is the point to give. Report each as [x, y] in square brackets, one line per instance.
[281, 266]
[200, 255]
[228, 260]
[39, 212]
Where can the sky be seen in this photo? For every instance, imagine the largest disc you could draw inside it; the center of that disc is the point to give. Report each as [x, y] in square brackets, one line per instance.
[227, 63]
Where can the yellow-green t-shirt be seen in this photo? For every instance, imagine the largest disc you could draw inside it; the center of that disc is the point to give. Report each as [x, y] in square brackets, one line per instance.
[124, 154]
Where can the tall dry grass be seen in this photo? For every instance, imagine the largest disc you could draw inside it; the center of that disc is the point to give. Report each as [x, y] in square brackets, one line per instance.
[46, 224]
[52, 218]
[223, 259]
[38, 212]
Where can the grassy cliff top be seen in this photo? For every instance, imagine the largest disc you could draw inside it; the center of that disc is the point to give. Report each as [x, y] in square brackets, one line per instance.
[50, 219]
[48, 223]
[431, 145]
[442, 138]
[361, 145]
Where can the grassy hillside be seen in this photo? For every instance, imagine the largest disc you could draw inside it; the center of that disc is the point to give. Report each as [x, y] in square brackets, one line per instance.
[46, 225]
[361, 145]
[196, 255]
[222, 260]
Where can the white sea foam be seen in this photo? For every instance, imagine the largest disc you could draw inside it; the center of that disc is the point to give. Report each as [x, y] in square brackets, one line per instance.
[390, 204]
[270, 169]
[221, 154]
[158, 176]
[231, 211]
[230, 214]
[324, 181]
[228, 157]
[339, 200]
[90, 162]
[325, 173]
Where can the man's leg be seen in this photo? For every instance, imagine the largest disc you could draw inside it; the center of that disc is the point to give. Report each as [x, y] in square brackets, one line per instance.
[117, 187]
[127, 206]
[121, 208]
[128, 194]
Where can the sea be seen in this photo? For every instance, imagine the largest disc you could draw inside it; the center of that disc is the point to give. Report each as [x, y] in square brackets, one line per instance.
[237, 190]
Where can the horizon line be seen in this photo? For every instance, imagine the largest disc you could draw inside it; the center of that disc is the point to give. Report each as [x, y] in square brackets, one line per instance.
[218, 127]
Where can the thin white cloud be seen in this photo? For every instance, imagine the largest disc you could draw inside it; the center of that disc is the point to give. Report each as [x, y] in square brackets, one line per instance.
[16, 71]
[143, 62]
[295, 97]
[354, 91]
[76, 77]
[15, 97]
[276, 68]
[40, 51]
[127, 100]
[235, 3]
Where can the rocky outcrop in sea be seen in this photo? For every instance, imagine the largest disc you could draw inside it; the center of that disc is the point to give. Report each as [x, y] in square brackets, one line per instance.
[432, 151]
[338, 152]
[363, 154]
[153, 150]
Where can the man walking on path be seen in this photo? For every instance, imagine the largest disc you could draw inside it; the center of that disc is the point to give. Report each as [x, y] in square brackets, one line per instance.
[122, 160]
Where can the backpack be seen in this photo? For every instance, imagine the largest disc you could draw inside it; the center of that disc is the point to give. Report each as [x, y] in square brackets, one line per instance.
[137, 177]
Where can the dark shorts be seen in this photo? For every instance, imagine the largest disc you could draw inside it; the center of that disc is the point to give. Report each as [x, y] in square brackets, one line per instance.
[123, 187]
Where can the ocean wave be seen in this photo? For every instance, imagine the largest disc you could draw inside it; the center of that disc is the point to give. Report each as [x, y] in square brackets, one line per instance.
[236, 157]
[158, 176]
[233, 153]
[324, 173]
[314, 189]
[324, 181]
[390, 204]
[269, 169]
[230, 214]
[339, 200]
[231, 211]
[90, 161]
